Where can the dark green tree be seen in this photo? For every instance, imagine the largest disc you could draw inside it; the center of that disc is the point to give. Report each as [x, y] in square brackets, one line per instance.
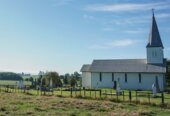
[65, 80]
[55, 78]
[73, 81]
[10, 76]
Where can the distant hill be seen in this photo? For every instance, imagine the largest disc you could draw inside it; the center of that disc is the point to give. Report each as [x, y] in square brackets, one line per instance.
[10, 76]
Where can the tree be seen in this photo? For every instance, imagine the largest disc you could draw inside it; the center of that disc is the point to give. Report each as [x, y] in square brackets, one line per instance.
[26, 79]
[77, 75]
[73, 81]
[10, 76]
[31, 80]
[65, 80]
[55, 79]
[41, 80]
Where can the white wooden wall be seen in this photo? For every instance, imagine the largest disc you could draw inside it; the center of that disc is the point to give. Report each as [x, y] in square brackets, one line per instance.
[147, 79]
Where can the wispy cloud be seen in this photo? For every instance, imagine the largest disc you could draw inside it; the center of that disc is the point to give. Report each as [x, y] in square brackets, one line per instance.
[163, 15]
[85, 16]
[135, 31]
[61, 2]
[138, 20]
[115, 43]
[108, 29]
[127, 7]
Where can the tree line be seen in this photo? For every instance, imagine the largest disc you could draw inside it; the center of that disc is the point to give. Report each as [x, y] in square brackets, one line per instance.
[10, 76]
[57, 80]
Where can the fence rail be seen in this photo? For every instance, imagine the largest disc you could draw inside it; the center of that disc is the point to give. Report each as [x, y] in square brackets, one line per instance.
[144, 97]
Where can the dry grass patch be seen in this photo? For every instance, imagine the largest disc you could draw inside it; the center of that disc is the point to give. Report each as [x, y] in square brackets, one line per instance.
[21, 104]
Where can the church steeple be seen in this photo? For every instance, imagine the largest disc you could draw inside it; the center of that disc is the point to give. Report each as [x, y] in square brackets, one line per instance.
[154, 47]
[154, 36]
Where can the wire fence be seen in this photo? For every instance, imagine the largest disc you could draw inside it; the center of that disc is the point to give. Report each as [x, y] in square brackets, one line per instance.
[138, 97]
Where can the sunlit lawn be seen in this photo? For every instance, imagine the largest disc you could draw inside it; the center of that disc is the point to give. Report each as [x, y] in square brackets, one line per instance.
[23, 104]
[6, 82]
[143, 98]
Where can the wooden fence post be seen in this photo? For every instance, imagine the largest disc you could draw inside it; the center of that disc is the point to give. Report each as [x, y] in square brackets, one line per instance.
[84, 93]
[44, 91]
[162, 96]
[24, 89]
[117, 96]
[149, 97]
[123, 96]
[130, 96]
[100, 93]
[52, 91]
[75, 92]
[8, 88]
[90, 92]
[71, 92]
[61, 91]
[95, 94]
[136, 96]
[80, 91]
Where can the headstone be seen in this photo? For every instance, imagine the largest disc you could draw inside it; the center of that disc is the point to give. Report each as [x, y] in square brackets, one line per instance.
[97, 85]
[118, 89]
[51, 83]
[154, 90]
[20, 84]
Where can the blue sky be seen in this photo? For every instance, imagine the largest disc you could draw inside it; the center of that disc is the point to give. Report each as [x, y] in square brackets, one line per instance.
[62, 35]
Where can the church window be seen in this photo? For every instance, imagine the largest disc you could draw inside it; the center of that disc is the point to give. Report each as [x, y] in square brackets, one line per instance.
[100, 76]
[112, 77]
[126, 77]
[140, 78]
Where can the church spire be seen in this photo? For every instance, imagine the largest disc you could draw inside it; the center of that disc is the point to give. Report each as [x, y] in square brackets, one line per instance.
[154, 36]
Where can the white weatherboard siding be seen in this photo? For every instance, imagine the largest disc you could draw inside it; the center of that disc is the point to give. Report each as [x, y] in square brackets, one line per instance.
[147, 79]
[86, 79]
[155, 55]
[132, 80]
[150, 79]
[95, 80]
[106, 81]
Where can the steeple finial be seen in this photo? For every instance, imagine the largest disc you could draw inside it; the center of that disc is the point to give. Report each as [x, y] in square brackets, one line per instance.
[153, 11]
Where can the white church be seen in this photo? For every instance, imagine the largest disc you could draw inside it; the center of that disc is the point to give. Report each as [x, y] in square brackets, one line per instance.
[130, 74]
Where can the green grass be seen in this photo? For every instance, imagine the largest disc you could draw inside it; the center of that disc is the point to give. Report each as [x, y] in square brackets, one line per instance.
[28, 76]
[6, 82]
[142, 99]
[21, 104]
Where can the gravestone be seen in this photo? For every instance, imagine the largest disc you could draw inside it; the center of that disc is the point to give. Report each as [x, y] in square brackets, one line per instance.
[154, 90]
[118, 89]
[20, 84]
[51, 83]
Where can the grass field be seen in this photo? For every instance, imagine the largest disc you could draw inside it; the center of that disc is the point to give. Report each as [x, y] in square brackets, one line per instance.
[141, 98]
[22, 104]
[6, 82]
